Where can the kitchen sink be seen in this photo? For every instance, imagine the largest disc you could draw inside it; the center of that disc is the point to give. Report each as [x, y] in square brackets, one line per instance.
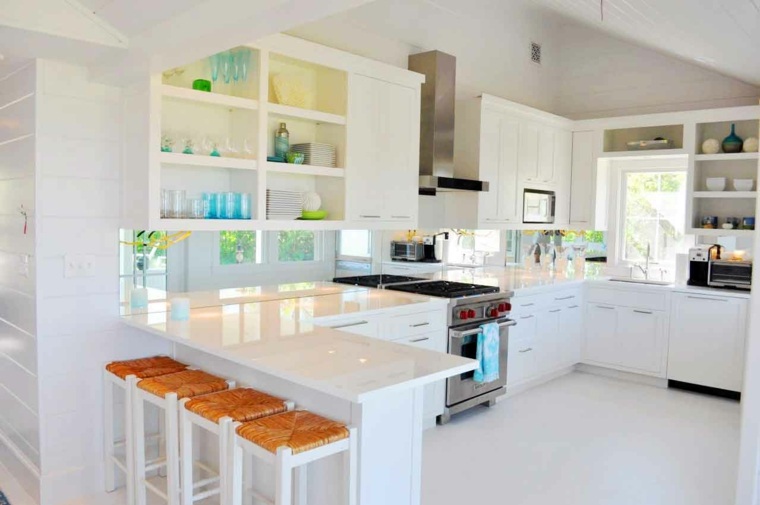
[631, 280]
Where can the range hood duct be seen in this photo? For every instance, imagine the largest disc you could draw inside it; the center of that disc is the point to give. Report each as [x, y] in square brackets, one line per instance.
[437, 124]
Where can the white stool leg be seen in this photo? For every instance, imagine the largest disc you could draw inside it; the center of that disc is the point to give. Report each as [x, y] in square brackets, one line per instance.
[235, 467]
[129, 436]
[350, 458]
[224, 459]
[186, 455]
[108, 433]
[139, 444]
[283, 493]
[301, 479]
[161, 439]
[172, 449]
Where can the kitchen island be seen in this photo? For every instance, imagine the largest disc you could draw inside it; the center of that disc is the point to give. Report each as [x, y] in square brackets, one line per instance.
[371, 383]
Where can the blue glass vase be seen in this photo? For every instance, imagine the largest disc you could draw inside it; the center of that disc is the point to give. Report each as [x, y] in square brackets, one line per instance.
[733, 143]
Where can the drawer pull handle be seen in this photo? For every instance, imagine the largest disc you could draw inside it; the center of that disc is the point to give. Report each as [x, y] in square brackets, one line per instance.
[603, 307]
[573, 307]
[414, 341]
[401, 217]
[527, 317]
[369, 216]
[348, 325]
[565, 298]
[525, 350]
[419, 324]
[527, 305]
[555, 310]
[643, 311]
[708, 298]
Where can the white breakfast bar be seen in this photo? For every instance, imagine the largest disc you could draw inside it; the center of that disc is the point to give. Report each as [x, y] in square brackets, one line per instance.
[269, 341]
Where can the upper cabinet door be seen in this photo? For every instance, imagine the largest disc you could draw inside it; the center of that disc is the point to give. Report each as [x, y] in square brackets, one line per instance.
[563, 147]
[582, 185]
[528, 152]
[546, 136]
[489, 163]
[509, 142]
[382, 182]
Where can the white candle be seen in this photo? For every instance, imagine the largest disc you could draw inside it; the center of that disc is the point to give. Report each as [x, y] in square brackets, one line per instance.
[138, 299]
[180, 309]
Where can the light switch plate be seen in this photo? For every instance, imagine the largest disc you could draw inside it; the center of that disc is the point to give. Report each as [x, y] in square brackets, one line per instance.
[79, 265]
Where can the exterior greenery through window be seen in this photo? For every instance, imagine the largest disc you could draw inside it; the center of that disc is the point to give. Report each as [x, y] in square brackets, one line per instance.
[232, 242]
[296, 245]
[246, 247]
[654, 214]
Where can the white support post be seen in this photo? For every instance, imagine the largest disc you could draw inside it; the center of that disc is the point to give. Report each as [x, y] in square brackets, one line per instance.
[351, 458]
[186, 455]
[172, 449]
[108, 433]
[139, 443]
[224, 458]
[302, 484]
[283, 494]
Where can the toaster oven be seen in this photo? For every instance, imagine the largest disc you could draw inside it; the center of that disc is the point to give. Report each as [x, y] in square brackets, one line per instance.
[730, 274]
[407, 251]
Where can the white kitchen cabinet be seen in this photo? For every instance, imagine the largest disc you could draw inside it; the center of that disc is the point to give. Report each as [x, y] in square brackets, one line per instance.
[528, 152]
[546, 148]
[707, 340]
[498, 165]
[571, 326]
[626, 329]
[522, 363]
[581, 192]
[563, 153]
[435, 393]
[384, 145]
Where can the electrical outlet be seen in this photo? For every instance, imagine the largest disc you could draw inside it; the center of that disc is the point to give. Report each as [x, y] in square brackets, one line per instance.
[79, 265]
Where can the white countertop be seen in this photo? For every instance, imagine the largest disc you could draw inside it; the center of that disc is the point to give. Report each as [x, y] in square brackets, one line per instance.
[279, 337]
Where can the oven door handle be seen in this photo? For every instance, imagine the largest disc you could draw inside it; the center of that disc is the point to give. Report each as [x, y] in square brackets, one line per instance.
[475, 331]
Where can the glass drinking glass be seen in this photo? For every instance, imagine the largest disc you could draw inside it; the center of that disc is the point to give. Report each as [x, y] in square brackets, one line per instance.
[215, 62]
[228, 149]
[196, 208]
[210, 205]
[226, 205]
[175, 203]
[247, 151]
[164, 203]
[167, 143]
[244, 62]
[226, 66]
[242, 206]
[188, 144]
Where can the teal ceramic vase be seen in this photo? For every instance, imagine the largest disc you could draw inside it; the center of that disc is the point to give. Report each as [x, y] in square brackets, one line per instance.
[732, 143]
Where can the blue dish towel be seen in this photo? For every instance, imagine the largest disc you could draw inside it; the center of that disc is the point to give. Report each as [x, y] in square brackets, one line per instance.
[487, 353]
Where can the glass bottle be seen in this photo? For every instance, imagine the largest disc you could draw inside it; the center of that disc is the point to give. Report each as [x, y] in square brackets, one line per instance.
[281, 141]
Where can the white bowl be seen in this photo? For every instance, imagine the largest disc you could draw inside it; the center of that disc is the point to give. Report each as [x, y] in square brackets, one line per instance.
[716, 183]
[744, 184]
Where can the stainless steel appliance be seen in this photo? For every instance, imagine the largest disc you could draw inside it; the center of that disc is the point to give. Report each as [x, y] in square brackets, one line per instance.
[699, 264]
[376, 281]
[538, 206]
[730, 274]
[407, 251]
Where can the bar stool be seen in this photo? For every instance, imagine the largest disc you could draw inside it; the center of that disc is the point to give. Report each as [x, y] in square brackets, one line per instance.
[290, 441]
[116, 374]
[165, 392]
[214, 413]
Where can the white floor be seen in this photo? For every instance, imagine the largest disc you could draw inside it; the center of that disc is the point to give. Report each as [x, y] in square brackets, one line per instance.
[579, 440]
[587, 440]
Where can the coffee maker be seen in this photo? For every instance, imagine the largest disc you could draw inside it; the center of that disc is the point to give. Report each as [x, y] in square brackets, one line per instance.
[699, 264]
[429, 243]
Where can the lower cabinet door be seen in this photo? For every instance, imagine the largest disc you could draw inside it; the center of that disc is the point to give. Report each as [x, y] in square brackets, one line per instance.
[571, 329]
[641, 338]
[435, 393]
[521, 358]
[599, 343]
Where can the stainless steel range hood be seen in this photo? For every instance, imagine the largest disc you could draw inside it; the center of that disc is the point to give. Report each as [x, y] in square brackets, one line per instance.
[437, 125]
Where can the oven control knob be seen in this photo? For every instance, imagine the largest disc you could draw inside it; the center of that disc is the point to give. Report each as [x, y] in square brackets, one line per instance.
[470, 313]
[504, 307]
[494, 312]
[462, 314]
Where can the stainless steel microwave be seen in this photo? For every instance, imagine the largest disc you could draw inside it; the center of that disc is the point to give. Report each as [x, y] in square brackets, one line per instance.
[538, 206]
[407, 251]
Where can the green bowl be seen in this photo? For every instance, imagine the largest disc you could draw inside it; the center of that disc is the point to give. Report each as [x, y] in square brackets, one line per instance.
[295, 158]
[313, 215]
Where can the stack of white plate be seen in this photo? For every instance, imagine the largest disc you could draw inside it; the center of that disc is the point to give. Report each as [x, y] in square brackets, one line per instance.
[284, 204]
[322, 155]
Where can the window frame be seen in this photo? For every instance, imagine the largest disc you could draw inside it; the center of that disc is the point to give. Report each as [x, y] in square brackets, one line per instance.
[354, 259]
[267, 252]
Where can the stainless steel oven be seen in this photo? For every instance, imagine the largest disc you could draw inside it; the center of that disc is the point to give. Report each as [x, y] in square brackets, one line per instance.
[538, 206]
[407, 251]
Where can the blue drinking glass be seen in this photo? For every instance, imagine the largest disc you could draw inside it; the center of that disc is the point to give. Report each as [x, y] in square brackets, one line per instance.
[227, 63]
[210, 205]
[226, 205]
[245, 62]
[243, 206]
[215, 61]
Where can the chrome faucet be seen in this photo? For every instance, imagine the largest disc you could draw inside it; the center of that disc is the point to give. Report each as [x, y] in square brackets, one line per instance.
[645, 268]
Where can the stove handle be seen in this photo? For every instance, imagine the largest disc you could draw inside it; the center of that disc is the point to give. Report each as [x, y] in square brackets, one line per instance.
[475, 331]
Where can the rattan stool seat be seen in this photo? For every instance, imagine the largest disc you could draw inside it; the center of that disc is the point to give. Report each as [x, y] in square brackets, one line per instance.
[242, 405]
[299, 429]
[144, 368]
[185, 384]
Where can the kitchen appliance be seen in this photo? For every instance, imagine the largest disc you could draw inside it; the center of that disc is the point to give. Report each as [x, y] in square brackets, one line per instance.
[538, 206]
[730, 274]
[437, 125]
[470, 306]
[407, 251]
[699, 264]
[429, 243]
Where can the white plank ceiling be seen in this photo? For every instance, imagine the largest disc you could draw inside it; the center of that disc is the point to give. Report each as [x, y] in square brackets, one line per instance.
[723, 35]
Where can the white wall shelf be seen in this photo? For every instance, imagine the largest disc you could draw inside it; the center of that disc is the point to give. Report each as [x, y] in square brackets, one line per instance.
[645, 154]
[290, 168]
[727, 156]
[725, 194]
[195, 160]
[193, 95]
[720, 233]
[306, 114]
[246, 224]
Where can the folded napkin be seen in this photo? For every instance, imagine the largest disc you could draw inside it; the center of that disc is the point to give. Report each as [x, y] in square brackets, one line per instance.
[487, 353]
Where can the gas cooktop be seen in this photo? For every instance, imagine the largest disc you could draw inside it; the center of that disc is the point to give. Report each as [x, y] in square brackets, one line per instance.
[376, 281]
[444, 289]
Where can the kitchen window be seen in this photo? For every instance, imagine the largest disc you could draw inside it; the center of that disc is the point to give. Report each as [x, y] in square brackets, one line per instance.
[652, 216]
[239, 247]
[355, 245]
[297, 245]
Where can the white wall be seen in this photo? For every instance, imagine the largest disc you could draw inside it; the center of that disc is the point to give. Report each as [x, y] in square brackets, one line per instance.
[601, 76]
[19, 405]
[78, 328]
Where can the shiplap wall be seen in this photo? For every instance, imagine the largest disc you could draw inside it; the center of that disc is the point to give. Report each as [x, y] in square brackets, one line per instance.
[78, 328]
[19, 405]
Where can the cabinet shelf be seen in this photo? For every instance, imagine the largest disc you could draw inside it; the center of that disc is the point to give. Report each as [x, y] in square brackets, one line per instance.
[727, 156]
[651, 154]
[306, 114]
[193, 95]
[290, 168]
[725, 194]
[193, 160]
[245, 224]
[720, 233]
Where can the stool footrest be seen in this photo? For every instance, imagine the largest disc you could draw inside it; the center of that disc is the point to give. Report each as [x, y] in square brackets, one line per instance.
[155, 489]
[206, 494]
[155, 464]
[206, 482]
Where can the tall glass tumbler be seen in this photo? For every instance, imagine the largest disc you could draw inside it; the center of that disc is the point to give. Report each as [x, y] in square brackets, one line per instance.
[243, 206]
[210, 205]
[175, 203]
[226, 205]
